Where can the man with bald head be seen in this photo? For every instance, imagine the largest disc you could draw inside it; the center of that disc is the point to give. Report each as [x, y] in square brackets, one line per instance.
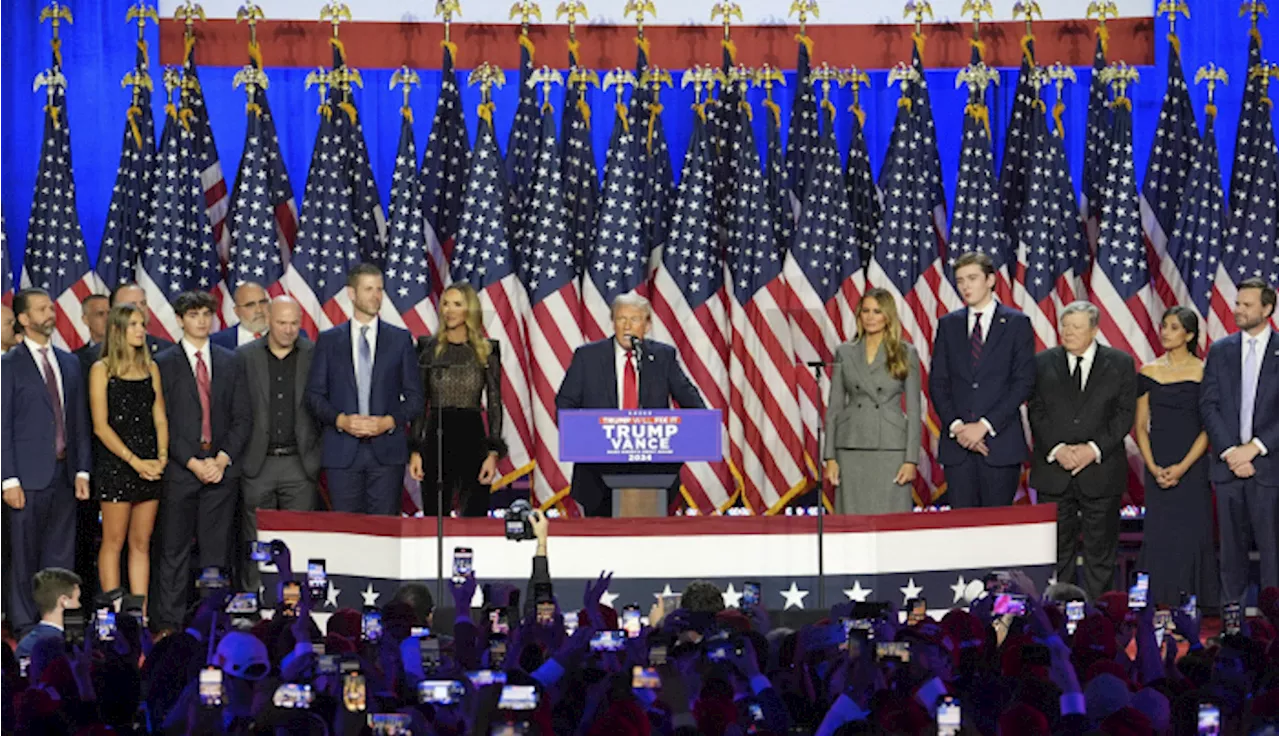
[282, 458]
[251, 310]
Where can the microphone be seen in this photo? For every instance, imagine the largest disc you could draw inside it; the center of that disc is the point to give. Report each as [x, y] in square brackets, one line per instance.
[637, 343]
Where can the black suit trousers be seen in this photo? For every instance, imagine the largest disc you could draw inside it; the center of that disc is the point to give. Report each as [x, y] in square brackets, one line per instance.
[191, 514]
[1098, 518]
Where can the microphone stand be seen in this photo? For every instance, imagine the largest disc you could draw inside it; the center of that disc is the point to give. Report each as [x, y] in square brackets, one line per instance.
[436, 372]
[817, 366]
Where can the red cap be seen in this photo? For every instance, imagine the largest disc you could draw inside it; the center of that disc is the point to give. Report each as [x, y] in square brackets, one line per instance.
[1023, 720]
[1128, 721]
[1115, 604]
[610, 617]
[1097, 634]
[344, 621]
[734, 619]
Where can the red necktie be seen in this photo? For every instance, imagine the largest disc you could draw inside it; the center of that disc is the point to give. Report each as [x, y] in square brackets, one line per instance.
[203, 386]
[630, 386]
[257, 335]
[55, 398]
[975, 343]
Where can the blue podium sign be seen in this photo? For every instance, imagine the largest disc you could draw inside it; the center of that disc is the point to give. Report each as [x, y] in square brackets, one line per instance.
[640, 435]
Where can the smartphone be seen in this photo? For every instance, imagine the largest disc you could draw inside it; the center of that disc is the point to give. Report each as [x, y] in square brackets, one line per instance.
[570, 623]
[518, 697]
[857, 640]
[105, 624]
[418, 632]
[948, 716]
[484, 678]
[210, 687]
[499, 621]
[212, 577]
[750, 593]
[917, 610]
[440, 692]
[1138, 591]
[719, 647]
[1190, 605]
[461, 564]
[608, 640]
[631, 620]
[429, 651]
[1075, 614]
[290, 597]
[371, 625]
[243, 604]
[657, 655]
[317, 579]
[24, 663]
[390, 724]
[354, 695]
[259, 551]
[1231, 617]
[327, 664]
[670, 602]
[293, 695]
[1010, 604]
[1208, 720]
[645, 677]
[893, 650]
[497, 651]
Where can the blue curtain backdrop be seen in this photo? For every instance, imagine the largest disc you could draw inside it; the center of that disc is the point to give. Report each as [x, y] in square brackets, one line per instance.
[99, 49]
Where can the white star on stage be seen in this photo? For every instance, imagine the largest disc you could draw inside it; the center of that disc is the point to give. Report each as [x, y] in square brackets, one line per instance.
[732, 598]
[607, 598]
[911, 591]
[957, 590]
[666, 592]
[331, 595]
[370, 595]
[794, 596]
[857, 593]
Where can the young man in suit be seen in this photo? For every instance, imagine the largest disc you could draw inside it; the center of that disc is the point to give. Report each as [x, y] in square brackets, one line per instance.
[282, 457]
[45, 457]
[620, 372]
[251, 311]
[1238, 401]
[981, 373]
[364, 388]
[209, 423]
[1081, 410]
[56, 590]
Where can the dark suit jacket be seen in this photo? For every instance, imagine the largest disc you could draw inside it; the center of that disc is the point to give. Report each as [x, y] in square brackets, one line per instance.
[27, 441]
[1102, 414]
[229, 410]
[41, 632]
[592, 379]
[1003, 380]
[254, 376]
[396, 391]
[1220, 407]
[228, 338]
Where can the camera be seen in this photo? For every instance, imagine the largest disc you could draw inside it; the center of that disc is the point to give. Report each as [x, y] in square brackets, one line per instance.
[517, 521]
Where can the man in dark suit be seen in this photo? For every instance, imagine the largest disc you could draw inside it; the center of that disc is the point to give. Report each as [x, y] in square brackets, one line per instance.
[364, 389]
[1080, 412]
[981, 373]
[282, 458]
[1238, 401]
[209, 423]
[45, 455]
[251, 311]
[622, 372]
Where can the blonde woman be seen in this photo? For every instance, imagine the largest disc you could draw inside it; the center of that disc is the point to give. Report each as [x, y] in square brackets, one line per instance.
[127, 406]
[871, 444]
[462, 375]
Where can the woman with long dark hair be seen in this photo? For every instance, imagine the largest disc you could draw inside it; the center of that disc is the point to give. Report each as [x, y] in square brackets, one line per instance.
[462, 375]
[127, 405]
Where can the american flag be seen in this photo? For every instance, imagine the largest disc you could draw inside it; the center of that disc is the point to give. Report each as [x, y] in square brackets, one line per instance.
[657, 177]
[1201, 227]
[1096, 141]
[860, 187]
[1251, 243]
[977, 225]
[366, 203]
[483, 259]
[775, 177]
[723, 115]
[802, 129]
[550, 277]
[1020, 139]
[327, 245]
[690, 309]
[182, 252]
[444, 174]
[1121, 282]
[1172, 151]
[825, 281]
[578, 171]
[133, 195]
[411, 241]
[765, 436]
[522, 143]
[56, 259]
[618, 262]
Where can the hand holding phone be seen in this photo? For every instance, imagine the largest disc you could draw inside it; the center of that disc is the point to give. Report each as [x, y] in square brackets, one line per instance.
[210, 687]
[462, 564]
[750, 594]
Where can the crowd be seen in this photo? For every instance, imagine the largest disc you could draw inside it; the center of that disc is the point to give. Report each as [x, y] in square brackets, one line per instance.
[1015, 662]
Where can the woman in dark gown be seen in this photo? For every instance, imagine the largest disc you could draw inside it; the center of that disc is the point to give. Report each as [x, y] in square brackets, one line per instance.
[1177, 540]
[127, 406]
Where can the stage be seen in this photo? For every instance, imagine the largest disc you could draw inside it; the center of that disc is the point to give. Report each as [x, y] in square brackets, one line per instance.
[932, 555]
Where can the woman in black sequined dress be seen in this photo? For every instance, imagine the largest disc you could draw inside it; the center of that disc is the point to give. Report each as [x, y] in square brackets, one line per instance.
[127, 406]
[462, 375]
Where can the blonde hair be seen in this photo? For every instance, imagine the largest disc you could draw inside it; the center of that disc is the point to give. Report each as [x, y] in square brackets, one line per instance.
[895, 352]
[117, 354]
[475, 330]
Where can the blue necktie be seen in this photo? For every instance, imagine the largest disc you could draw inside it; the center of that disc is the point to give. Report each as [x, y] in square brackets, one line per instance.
[364, 371]
[1249, 390]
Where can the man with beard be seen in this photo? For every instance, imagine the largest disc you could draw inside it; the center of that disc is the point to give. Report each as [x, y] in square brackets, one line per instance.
[44, 451]
[252, 302]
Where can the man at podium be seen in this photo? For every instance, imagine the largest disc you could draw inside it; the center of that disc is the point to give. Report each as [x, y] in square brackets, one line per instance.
[626, 371]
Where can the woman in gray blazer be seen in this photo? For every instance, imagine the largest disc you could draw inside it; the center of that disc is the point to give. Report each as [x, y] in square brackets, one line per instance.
[871, 445]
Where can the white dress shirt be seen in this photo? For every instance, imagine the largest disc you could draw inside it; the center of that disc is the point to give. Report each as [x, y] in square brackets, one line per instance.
[35, 349]
[1261, 340]
[206, 352]
[1085, 365]
[986, 314]
[244, 337]
[620, 369]
[355, 342]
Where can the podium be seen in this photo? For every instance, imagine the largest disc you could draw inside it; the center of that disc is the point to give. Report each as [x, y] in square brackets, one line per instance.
[641, 450]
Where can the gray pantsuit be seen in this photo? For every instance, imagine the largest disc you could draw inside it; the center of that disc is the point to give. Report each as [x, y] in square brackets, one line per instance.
[868, 433]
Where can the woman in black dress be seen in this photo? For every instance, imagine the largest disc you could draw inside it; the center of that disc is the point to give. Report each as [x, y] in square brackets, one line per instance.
[460, 367]
[127, 406]
[1177, 539]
